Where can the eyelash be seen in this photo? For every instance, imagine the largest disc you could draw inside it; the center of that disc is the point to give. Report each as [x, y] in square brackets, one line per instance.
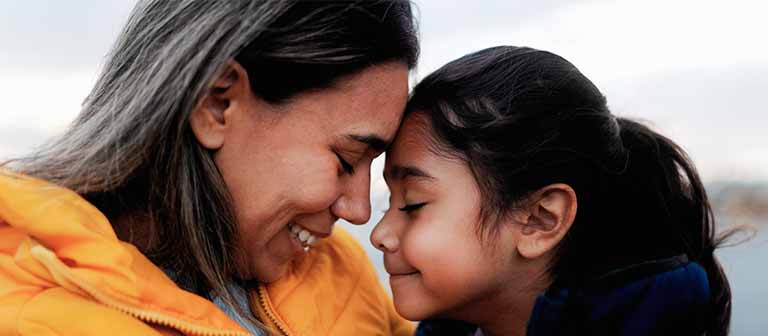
[348, 168]
[412, 207]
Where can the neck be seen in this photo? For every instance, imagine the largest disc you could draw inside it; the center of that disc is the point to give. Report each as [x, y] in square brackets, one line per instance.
[503, 312]
[510, 317]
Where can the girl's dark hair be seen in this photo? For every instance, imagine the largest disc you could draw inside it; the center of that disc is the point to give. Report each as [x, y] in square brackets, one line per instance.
[522, 119]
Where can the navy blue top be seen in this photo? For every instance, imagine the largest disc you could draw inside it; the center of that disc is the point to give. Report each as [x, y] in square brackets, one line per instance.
[663, 297]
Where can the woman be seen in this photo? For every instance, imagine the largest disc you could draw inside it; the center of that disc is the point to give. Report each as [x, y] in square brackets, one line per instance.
[221, 141]
[523, 206]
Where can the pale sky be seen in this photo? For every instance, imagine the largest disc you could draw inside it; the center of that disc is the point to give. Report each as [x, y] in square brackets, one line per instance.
[696, 70]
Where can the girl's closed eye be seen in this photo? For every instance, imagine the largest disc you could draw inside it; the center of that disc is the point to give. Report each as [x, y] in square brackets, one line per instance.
[412, 207]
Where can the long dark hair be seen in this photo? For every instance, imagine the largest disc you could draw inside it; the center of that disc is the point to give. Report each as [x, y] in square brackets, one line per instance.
[131, 150]
[523, 118]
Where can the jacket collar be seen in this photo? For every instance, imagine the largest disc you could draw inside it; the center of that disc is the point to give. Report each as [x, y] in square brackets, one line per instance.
[659, 297]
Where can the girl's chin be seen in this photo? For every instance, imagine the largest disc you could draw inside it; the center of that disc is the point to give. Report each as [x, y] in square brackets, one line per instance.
[412, 312]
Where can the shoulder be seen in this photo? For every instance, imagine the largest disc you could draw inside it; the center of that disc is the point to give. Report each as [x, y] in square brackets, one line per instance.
[51, 312]
[338, 260]
[334, 266]
[335, 290]
[341, 246]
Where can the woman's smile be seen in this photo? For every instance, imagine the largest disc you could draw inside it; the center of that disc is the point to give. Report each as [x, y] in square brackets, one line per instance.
[302, 238]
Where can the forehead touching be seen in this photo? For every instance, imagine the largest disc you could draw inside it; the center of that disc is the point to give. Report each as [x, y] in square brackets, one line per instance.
[412, 155]
[373, 102]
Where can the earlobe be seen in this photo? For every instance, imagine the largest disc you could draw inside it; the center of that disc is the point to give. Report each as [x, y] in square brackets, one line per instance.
[207, 127]
[549, 216]
[209, 119]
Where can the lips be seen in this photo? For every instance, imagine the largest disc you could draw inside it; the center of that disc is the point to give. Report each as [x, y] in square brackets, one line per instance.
[395, 267]
[403, 274]
[397, 279]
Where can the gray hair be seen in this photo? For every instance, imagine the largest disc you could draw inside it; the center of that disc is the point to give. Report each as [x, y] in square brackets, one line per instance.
[131, 148]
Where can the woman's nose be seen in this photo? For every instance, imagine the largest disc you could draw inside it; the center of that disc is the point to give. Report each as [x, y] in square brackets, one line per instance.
[383, 238]
[354, 203]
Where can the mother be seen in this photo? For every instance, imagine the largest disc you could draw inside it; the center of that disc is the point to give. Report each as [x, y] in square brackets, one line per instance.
[222, 139]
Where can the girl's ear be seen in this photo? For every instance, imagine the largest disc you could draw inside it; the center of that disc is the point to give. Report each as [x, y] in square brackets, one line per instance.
[547, 219]
[210, 118]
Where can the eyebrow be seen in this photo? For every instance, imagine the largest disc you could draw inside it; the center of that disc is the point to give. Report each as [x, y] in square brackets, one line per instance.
[402, 172]
[372, 140]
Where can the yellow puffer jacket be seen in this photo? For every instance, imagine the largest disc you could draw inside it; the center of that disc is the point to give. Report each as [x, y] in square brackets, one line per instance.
[64, 272]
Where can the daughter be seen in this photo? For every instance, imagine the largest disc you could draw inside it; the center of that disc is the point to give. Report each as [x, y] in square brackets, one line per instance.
[521, 206]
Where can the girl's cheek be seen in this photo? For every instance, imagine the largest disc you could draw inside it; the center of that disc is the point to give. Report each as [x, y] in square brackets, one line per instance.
[426, 246]
[446, 273]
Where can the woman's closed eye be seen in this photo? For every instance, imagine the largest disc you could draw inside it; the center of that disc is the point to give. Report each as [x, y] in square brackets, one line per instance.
[412, 207]
[346, 166]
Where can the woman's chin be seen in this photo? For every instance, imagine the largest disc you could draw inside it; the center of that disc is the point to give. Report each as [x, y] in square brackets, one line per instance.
[268, 270]
[270, 274]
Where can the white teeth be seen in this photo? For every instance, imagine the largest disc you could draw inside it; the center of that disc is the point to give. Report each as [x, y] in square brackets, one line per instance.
[302, 235]
[295, 229]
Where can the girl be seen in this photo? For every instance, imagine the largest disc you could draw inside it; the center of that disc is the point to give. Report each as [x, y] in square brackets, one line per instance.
[521, 205]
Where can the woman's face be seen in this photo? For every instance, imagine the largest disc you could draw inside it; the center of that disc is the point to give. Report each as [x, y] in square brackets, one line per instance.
[436, 261]
[303, 164]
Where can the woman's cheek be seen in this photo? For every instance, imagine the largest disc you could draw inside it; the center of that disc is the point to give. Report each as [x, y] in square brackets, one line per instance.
[316, 186]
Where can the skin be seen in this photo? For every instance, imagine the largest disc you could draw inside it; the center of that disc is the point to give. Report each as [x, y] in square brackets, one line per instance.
[438, 265]
[289, 163]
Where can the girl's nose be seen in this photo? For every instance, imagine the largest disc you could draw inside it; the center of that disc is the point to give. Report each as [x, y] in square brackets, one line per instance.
[383, 238]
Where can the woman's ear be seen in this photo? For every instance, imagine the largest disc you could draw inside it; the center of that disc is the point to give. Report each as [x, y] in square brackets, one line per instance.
[548, 217]
[210, 118]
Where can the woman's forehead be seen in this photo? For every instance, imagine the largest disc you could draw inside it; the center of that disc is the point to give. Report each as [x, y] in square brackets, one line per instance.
[372, 101]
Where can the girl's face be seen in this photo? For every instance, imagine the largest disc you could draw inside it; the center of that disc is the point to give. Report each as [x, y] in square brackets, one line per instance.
[436, 261]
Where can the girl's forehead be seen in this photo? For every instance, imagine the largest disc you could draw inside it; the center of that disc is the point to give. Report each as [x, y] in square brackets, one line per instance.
[412, 141]
[413, 154]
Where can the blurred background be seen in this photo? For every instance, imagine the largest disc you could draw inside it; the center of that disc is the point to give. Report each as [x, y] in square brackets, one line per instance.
[695, 70]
